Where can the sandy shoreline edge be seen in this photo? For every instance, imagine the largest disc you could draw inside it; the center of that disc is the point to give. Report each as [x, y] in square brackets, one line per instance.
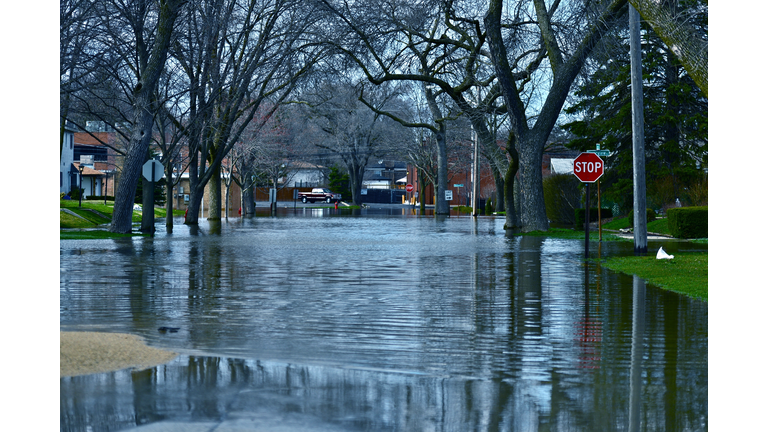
[83, 353]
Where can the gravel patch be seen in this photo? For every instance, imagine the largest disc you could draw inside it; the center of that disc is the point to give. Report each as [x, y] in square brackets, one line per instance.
[83, 353]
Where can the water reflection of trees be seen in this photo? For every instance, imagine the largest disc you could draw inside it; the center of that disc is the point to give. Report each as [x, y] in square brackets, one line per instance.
[493, 342]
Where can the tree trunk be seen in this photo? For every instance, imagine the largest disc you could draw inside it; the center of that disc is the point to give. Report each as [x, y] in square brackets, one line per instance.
[500, 188]
[512, 221]
[533, 213]
[249, 207]
[214, 194]
[356, 182]
[134, 160]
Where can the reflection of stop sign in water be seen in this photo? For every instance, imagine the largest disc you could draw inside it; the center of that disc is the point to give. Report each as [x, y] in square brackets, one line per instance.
[588, 167]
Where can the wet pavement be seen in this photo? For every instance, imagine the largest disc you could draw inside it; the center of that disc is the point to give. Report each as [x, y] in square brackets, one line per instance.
[381, 320]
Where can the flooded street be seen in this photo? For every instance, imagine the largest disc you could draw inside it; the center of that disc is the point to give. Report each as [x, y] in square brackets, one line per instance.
[324, 320]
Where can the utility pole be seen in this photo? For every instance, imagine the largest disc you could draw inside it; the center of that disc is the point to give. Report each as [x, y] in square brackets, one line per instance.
[638, 138]
[474, 179]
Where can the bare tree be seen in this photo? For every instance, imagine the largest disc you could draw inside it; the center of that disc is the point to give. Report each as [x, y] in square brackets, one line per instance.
[145, 52]
[76, 21]
[237, 55]
[530, 33]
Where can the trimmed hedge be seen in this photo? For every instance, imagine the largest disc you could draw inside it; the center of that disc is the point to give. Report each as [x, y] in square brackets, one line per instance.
[650, 215]
[688, 222]
[605, 213]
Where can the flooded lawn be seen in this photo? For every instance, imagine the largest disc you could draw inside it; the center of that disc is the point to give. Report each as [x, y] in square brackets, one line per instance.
[320, 320]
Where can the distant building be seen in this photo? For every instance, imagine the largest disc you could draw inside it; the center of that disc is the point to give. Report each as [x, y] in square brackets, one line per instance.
[385, 174]
[561, 166]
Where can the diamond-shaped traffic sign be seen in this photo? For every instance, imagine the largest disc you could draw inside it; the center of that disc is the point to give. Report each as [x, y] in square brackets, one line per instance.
[588, 167]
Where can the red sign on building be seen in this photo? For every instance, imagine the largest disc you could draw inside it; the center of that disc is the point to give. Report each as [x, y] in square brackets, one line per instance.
[588, 167]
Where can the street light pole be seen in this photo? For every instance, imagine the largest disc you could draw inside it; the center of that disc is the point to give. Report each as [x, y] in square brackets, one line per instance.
[80, 186]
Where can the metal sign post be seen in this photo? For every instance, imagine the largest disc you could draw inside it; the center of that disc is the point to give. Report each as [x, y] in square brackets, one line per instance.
[152, 171]
[601, 153]
[588, 168]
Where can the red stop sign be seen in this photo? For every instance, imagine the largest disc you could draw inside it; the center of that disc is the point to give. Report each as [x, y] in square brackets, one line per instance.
[409, 187]
[588, 167]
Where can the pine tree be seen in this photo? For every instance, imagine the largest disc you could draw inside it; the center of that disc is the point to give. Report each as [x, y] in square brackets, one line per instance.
[339, 183]
[675, 122]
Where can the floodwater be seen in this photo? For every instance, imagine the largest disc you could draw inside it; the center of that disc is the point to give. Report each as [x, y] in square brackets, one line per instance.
[382, 321]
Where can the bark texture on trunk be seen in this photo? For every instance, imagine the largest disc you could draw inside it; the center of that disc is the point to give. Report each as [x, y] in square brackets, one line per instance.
[512, 221]
[214, 194]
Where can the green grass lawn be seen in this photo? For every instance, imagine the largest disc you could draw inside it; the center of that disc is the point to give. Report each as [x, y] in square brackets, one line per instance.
[685, 274]
[565, 233]
[659, 226]
[93, 235]
[90, 219]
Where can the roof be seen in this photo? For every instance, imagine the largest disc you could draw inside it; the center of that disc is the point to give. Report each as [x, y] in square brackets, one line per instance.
[562, 166]
[304, 165]
[87, 171]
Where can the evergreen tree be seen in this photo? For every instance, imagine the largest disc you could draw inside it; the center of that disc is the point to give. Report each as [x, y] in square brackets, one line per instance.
[675, 121]
[339, 183]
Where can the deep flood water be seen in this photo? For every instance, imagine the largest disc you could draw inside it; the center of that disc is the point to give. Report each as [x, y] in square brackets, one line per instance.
[314, 320]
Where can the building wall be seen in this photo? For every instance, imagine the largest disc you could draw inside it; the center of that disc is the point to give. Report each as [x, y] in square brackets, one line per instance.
[67, 155]
[461, 195]
[181, 196]
[91, 186]
[306, 178]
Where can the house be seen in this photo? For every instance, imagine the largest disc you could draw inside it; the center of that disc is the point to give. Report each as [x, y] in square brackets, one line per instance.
[87, 178]
[304, 174]
[385, 174]
[90, 147]
[76, 168]
[561, 166]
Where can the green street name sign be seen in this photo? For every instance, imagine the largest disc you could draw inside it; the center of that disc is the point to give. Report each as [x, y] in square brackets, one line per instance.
[601, 153]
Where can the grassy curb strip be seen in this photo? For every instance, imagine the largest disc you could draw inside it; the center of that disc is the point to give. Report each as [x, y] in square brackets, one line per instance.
[685, 274]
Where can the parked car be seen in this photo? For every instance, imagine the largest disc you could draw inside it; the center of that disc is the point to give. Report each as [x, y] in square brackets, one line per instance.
[319, 194]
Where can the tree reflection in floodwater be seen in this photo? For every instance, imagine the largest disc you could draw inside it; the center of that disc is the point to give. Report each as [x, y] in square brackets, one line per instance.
[382, 323]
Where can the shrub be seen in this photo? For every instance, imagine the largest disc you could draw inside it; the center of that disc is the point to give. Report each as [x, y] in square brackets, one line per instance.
[75, 193]
[489, 206]
[650, 215]
[688, 222]
[561, 196]
[605, 213]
